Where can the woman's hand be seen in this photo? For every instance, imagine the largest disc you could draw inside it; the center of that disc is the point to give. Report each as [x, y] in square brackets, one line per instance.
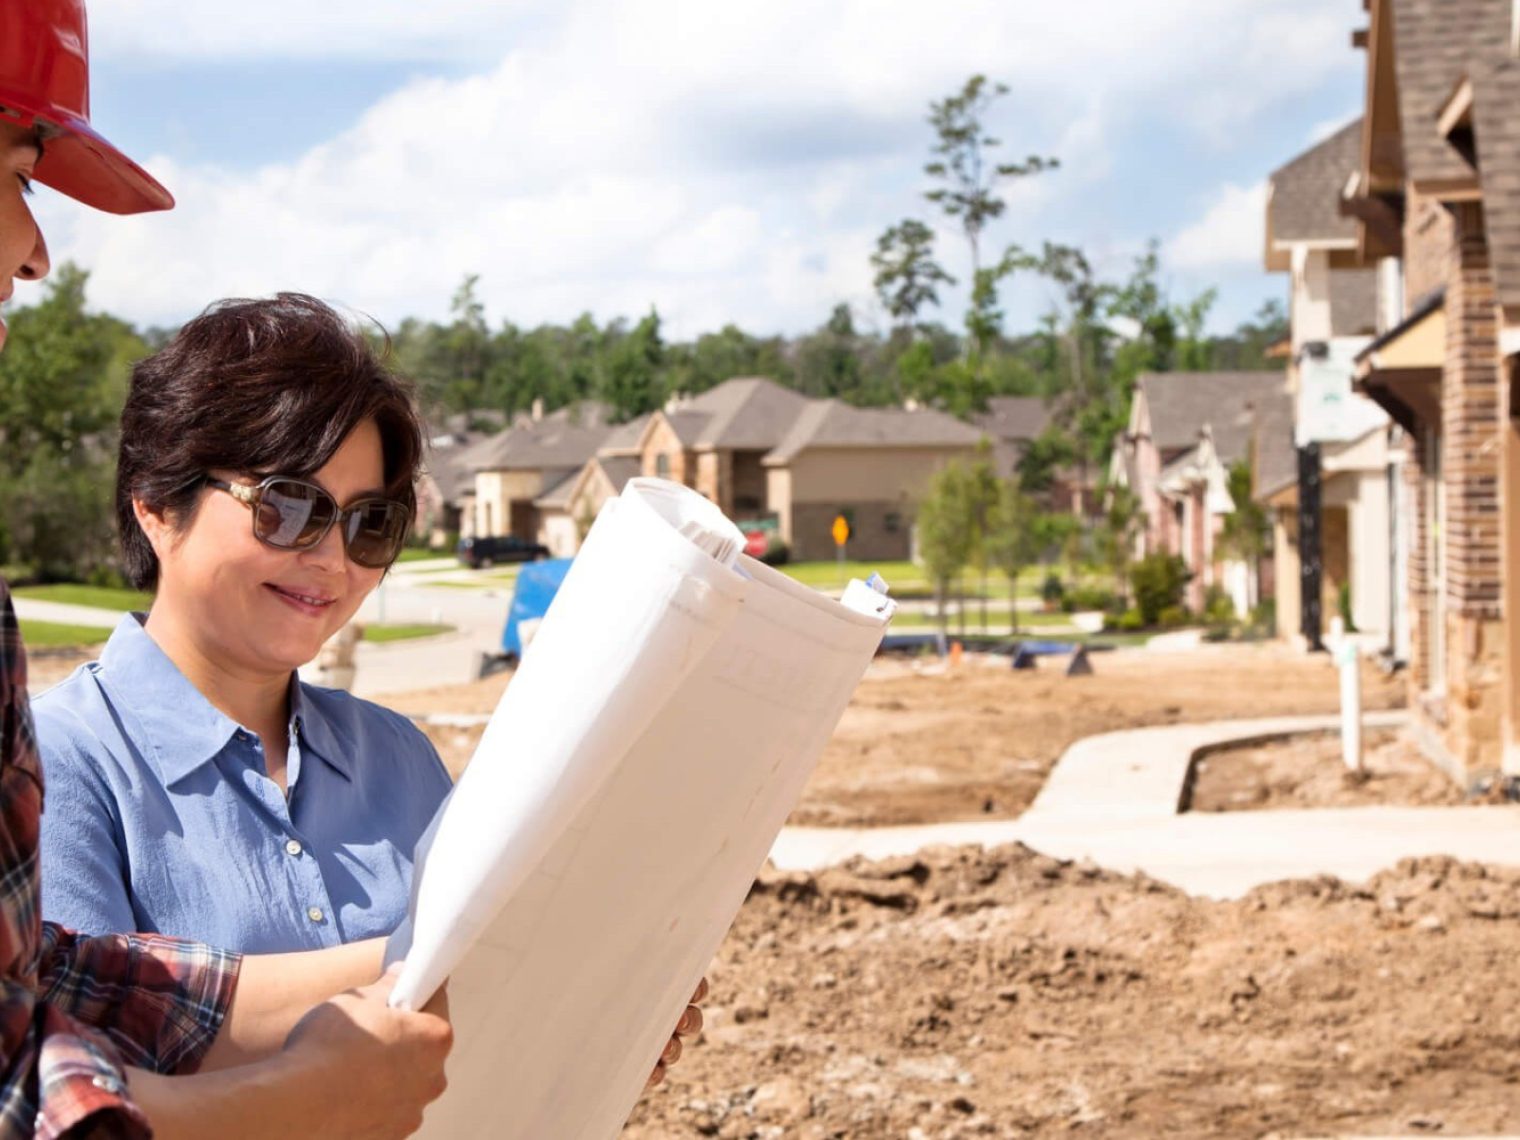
[689, 1024]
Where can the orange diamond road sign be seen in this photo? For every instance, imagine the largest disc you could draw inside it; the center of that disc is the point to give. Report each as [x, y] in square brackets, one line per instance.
[841, 530]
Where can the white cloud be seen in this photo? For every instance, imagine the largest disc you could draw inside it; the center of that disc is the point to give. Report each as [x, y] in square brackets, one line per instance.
[1229, 235]
[725, 161]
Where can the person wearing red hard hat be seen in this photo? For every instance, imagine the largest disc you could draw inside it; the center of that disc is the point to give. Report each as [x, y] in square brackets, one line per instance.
[91, 1029]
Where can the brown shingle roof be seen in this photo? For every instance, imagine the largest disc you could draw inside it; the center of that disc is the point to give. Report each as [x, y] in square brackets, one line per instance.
[1276, 457]
[1181, 403]
[1353, 302]
[565, 439]
[1010, 419]
[1496, 110]
[829, 423]
[1435, 43]
[1304, 194]
[746, 413]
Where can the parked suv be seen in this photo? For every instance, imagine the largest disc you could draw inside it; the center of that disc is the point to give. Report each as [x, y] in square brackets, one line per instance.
[490, 549]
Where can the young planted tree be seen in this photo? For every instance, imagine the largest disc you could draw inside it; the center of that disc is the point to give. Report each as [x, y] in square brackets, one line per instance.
[1116, 536]
[1012, 542]
[944, 533]
[1247, 530]
[981, 489]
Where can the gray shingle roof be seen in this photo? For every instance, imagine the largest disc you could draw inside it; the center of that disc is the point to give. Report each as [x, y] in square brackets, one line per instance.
[1435, 43]
[746, 413]
[1496, 110]
[1305, 193]
[626, 436]
[1181, 403]
[1276, 459]
[1353, 302]
[564, 439]
[829, 423]
[1011, 419]
[453, 468]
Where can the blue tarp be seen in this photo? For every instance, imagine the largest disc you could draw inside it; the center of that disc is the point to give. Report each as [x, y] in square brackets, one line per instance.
[537, 583]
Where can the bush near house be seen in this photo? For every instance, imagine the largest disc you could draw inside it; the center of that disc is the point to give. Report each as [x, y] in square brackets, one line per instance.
[1157, 582]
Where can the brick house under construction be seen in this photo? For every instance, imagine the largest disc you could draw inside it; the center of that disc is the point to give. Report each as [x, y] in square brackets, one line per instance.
[1437, 198]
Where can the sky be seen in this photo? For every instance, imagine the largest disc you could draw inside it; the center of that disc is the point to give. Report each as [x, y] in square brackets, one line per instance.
[720, 163]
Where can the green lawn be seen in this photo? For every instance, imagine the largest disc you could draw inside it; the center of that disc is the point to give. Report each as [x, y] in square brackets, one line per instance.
[400, 631]
[904, 579]
[422, 554]
[78, 594]
[52, 634]
[997, 620]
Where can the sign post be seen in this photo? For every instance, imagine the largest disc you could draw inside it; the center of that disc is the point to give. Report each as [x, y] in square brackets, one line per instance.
[841, 533]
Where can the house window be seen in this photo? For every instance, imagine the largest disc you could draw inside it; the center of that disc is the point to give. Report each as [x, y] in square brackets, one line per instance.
[892, 523]
[662, 465]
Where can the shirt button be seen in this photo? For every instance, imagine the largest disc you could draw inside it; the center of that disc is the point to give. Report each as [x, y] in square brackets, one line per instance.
[315, 914]
[106, 1083]
[293, 847]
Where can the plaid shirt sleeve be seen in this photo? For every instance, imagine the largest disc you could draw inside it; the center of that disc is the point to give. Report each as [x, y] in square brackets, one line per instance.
[74, 1012]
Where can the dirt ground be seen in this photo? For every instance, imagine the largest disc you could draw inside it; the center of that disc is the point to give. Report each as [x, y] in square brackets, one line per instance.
[964, 994]
[1309, 772]
[919, 746]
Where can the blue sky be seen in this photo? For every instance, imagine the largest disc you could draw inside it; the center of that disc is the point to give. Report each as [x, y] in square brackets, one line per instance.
[723, 163]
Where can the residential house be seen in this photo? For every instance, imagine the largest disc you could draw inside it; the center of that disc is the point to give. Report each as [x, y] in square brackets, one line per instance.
[1334, 526]
[717, 441]
[1437, 202]
[1186, 430]
[870, 465]
[519, 467]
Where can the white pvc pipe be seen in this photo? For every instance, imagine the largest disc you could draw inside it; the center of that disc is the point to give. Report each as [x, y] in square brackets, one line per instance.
[1343, 650]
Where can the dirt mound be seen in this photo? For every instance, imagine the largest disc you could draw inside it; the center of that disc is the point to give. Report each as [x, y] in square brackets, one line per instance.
[1003, 993]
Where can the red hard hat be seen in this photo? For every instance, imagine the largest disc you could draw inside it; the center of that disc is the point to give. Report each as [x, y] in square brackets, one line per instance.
[45, 76]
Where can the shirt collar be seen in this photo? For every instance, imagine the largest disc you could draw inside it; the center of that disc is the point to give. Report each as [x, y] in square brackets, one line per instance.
[320, 734]
[181, 727]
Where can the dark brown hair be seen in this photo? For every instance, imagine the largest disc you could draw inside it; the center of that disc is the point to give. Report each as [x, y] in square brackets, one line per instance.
[257, 387]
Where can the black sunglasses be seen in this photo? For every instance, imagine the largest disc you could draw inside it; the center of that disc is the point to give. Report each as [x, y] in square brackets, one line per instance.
[292, 514]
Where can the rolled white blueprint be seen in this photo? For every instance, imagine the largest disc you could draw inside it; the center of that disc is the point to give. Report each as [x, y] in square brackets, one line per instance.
[650, 763]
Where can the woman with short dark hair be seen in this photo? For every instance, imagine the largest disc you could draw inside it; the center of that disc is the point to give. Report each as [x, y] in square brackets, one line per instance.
[196, 786]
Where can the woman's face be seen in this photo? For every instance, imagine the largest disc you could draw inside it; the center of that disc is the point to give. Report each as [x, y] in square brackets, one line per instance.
[251, 608]
[23, 253]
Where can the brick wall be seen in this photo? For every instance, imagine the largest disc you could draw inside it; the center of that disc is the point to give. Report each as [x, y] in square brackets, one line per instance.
[1470, 422]
[1418, 572]
[1427, 247]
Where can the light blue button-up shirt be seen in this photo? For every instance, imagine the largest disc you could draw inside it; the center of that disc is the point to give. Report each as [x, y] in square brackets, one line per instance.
[159, 815]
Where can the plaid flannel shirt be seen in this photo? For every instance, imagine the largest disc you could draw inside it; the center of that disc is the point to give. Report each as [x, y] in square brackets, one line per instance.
[75, 1011]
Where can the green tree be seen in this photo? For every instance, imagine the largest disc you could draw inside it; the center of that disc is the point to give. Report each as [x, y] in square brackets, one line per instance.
[1246, 533]
[829, 360]
[630, 378]
[907, 276]
[945, 532]
[1116, 536]
[1012, 542]
[62, 382]
[964, 168]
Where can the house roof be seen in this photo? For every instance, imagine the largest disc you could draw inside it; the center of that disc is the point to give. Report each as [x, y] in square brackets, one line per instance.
[1353, 302]
[565, 438]
[747, 413]
[1181, 403]
[1014, 418]
[453, 468]
[1303, 203]
[626, 437]
[558, 496]
[1436, 42]
[829, 423]
[1275, 456]
[1496, 113]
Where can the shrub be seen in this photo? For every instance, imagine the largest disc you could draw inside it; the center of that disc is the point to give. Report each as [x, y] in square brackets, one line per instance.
[1173, 616]
[777, 553]
[1157, 582]
[1088, 598]
[1218, 609]
[1129, 621]
[1052, 593]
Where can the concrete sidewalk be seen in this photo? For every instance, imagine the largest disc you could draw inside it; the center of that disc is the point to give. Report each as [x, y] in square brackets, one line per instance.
[35, 609]
[1114, 799]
